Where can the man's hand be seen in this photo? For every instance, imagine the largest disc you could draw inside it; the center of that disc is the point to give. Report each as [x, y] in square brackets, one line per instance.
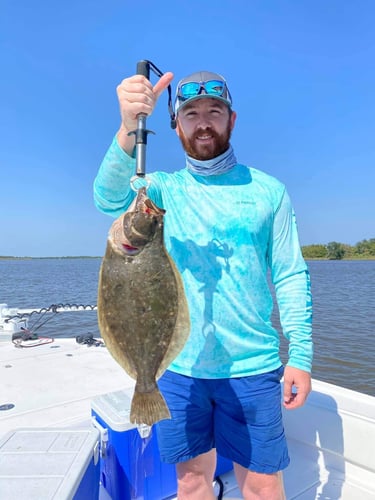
[137, 95]
[301, 380]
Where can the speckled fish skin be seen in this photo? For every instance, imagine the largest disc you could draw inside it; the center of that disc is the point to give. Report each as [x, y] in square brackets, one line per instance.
[142, 310]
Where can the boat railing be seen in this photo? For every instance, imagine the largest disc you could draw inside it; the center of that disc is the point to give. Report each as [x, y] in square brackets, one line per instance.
[14, 320]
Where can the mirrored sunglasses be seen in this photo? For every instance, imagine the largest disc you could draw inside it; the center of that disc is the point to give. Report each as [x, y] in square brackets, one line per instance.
[211, 87]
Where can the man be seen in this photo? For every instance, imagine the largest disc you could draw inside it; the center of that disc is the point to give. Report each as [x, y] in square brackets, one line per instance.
[225, 225]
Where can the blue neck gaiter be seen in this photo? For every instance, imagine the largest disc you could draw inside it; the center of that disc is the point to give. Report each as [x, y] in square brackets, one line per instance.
[216, 166]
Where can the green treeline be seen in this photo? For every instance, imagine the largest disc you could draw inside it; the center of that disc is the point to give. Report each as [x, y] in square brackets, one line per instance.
[364, 249]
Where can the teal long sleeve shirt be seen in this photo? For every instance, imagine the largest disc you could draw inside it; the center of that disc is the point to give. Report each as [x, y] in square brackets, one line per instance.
[224, 232]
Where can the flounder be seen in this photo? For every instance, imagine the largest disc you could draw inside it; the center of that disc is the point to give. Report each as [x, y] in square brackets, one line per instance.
[142, 309]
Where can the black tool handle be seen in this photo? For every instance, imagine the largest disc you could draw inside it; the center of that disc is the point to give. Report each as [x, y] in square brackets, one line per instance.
[143, 68]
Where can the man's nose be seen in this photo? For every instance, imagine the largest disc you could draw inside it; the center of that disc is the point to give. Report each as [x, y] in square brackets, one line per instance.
[204, 121]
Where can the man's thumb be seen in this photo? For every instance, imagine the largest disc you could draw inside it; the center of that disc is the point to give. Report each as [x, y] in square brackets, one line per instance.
[287, 391]
[162, 83]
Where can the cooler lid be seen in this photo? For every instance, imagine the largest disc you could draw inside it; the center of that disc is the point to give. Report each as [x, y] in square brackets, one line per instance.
[114, 409]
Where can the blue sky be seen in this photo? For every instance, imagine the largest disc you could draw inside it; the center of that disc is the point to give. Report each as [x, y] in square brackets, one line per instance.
[301, 74]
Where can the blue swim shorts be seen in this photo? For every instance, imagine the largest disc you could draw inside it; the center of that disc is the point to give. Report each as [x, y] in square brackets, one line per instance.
[240, 417]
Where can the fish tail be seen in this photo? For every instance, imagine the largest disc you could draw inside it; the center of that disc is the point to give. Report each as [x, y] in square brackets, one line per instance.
[148, 408]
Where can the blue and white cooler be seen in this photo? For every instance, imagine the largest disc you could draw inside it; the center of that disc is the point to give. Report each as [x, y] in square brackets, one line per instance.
[130, 462]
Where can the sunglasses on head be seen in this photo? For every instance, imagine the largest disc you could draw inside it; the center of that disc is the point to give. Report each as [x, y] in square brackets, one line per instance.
[211, 87]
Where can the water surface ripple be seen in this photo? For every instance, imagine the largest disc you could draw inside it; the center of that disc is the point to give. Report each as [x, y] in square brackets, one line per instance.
[343, 300]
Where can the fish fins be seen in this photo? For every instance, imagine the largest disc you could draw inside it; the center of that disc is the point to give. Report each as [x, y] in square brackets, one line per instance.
[148, 408]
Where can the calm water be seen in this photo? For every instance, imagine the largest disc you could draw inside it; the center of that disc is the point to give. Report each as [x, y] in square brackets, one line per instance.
[343, 296]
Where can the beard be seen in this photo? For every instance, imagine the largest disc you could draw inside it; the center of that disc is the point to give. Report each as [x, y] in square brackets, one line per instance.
[217, 146]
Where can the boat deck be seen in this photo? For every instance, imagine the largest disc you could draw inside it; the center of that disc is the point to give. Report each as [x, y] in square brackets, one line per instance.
[331, 439]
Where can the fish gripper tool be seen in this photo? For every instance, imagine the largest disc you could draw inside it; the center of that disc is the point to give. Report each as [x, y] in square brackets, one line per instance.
[141, 132]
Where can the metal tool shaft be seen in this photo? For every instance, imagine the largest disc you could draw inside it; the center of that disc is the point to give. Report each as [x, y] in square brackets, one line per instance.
[143, 68]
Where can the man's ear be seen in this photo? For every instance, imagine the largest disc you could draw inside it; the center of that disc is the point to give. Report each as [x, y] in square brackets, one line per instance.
[233, 118]
[177, 128]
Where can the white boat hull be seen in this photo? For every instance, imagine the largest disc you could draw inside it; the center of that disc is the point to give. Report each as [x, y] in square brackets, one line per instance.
[331, 439]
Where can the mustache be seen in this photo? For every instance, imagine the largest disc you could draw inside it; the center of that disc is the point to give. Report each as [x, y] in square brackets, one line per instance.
[207, 130]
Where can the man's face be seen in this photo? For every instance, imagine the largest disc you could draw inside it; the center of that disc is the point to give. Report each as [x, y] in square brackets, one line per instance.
[204, 127]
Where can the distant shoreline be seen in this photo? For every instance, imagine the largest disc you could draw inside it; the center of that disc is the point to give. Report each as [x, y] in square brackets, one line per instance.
[100, 257]
[368, 257]
[57, 258]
